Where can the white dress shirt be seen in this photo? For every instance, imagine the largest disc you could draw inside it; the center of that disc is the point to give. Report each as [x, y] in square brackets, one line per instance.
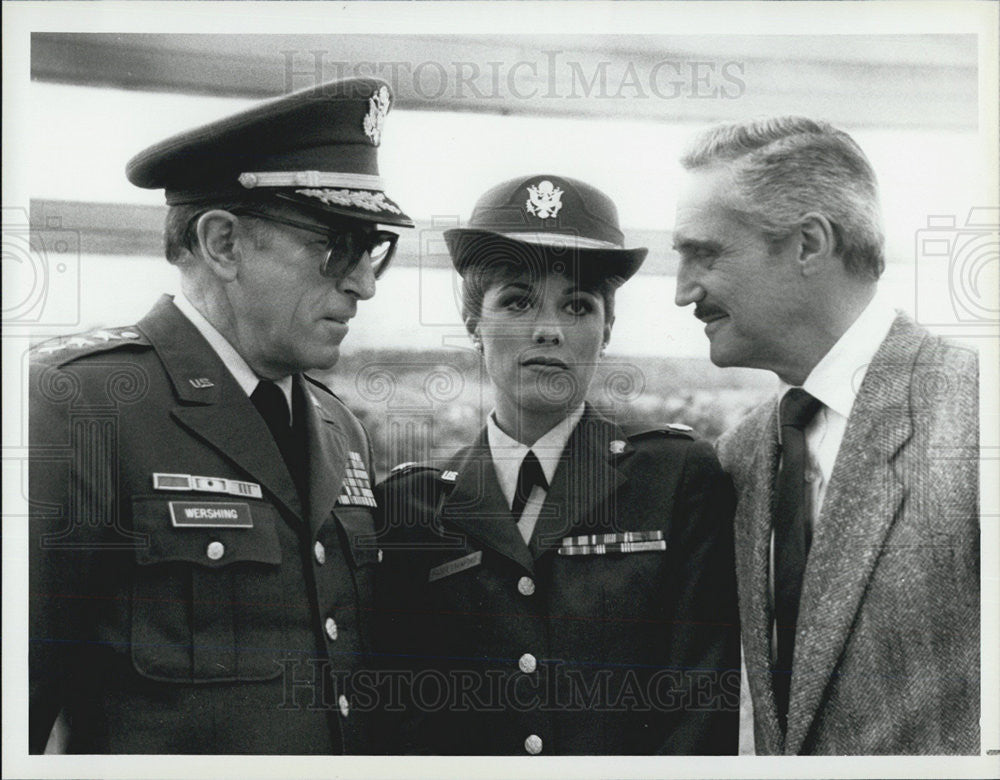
[238, 367]
[508, 454]
[835, 381]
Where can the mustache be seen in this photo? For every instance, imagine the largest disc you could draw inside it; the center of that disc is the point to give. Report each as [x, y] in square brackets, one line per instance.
[703, 312]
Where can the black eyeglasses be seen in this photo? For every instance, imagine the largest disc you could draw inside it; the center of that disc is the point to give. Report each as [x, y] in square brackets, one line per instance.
[345, 245]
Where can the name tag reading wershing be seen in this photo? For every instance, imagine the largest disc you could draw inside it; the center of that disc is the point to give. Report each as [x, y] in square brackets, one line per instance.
[215, 514]
[455, 566]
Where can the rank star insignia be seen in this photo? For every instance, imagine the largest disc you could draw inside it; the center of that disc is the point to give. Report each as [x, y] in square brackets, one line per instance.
[378, 107]
[544, 200]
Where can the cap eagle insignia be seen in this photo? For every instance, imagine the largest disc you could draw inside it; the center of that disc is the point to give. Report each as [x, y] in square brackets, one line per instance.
[378, 107]
[545, 200]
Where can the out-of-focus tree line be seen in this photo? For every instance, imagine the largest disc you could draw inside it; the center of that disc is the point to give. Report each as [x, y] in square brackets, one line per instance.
[424, 405]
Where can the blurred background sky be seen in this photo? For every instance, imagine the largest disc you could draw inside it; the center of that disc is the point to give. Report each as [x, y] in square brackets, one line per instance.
[471, 111]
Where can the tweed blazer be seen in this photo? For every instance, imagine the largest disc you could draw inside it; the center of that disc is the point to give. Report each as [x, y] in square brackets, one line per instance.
[887, 654]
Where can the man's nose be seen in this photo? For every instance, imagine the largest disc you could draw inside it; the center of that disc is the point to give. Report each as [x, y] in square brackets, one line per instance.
[360, 282]
[689, 289]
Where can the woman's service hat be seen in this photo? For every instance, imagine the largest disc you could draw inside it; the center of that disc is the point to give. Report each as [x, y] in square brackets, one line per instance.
[317, 148]
[545, 218]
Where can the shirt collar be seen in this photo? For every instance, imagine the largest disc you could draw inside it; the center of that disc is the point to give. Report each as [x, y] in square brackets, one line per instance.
[835, 380]
[507, 453]
[233, 361]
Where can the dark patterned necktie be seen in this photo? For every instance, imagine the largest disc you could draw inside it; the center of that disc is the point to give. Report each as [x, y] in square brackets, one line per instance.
[792, 536]
[528, 476]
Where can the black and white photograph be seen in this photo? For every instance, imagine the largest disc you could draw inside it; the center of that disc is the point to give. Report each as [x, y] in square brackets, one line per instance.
[444, 389]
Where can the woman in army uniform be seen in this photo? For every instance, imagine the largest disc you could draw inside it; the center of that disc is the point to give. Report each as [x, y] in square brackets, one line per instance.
[560, 585]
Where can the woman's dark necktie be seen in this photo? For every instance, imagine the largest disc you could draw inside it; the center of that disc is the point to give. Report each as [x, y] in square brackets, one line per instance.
[528, 476]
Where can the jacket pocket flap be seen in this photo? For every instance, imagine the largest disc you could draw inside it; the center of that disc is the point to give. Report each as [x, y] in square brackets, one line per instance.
[359, 529]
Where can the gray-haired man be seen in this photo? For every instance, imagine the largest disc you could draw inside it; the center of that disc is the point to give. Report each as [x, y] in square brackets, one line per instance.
[857, 530]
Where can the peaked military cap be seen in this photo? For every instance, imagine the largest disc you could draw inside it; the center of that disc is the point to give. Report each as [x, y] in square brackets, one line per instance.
[317, 147]
[545, 219]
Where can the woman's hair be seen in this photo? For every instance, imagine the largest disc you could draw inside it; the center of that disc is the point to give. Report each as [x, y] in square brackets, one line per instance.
[482, 276]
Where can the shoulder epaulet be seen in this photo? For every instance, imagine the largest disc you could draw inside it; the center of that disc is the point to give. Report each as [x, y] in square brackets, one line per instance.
[64, 349]
[676, 430]
[410, 467]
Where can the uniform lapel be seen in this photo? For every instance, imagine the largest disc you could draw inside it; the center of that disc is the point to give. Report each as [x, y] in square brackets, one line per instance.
[212, 405]
[478, 508]
[586, 481]
[753, 552]
[327, 444]
[862, 501]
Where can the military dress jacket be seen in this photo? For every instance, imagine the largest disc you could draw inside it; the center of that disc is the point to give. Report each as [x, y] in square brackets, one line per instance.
[613, 632]
[184, 597]
[887, 652]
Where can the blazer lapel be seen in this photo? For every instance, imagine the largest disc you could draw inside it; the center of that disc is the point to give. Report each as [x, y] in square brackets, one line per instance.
[328, 446]
[478, 508]
[753, 554]
[586, 479]
[212, 405]
[861, 503]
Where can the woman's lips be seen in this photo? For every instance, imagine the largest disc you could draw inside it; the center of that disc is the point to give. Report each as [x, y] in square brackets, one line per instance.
[539, 362]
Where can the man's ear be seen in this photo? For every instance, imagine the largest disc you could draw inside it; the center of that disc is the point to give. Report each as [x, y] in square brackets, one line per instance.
[217, 230]
[818, 243]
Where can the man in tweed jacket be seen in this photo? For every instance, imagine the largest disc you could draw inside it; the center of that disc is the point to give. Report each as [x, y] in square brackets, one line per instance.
[778, 230]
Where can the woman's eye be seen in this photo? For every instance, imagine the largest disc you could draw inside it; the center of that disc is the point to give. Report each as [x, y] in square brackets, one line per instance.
[579, 308]
[517, 303]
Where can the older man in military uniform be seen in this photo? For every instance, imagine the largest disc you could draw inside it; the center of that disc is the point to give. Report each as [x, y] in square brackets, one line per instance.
[199, 578]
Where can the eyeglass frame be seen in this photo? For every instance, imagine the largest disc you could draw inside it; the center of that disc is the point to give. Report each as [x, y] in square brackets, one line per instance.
[332, 234]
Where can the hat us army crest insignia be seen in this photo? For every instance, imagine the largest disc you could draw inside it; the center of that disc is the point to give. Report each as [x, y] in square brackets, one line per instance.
[378, 108]
[544, 200]
[546, 218]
